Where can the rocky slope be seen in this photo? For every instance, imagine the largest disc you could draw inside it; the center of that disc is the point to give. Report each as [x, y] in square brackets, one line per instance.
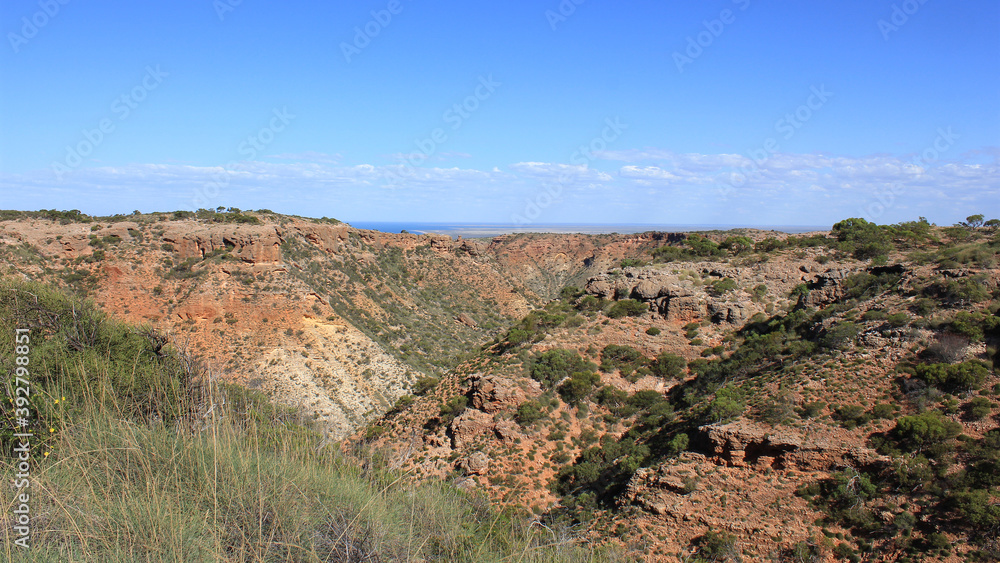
[745, 394]
[613, 461]
[335, 319]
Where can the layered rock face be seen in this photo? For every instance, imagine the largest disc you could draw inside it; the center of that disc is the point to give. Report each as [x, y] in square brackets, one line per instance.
[256, 244]
[745, 444]
[675, 297]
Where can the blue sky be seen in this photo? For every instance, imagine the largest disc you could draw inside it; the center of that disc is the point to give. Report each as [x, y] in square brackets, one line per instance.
[578, 111]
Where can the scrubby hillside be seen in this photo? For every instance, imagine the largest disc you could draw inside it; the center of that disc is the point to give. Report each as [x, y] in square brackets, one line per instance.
[332, 319]
[138, 455]
[826, 396]
[817, 397]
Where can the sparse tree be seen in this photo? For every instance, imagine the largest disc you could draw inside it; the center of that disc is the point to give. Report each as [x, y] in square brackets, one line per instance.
[737, 245]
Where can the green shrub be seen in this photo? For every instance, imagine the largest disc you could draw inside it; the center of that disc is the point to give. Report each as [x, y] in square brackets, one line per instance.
[590, 303]
[978, 507]
[454, 407]
[737, 245]
[862, 239]
[777, 409]
[624, 358]
[727, 404]
[553, 366]
[769, 244]
[883, 411]
[653, 331]
[874, 315]
[840, 336]
[678, 444]
[718, 546]
[77, 351]
[962, 376]
[627, 308]
[702, 246]
[898, 319]
[424, 385]
[799, 291]
[529, 412]
[570, 293]
[813, 409]
[979, 408]
[921, 431]
[851, 415]
[723, 286]
[578, 386]
[645, 399]
[668, 366]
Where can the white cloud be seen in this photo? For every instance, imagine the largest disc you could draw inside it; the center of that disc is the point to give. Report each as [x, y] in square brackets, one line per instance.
[652, 183]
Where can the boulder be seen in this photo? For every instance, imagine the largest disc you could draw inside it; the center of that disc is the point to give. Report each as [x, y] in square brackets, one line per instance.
[601, 288]
[473, 247]
[476, 464]
[736, 313]
[493, 394]
[682, 307]
[466, 320]
[648, 290]
[468, 426]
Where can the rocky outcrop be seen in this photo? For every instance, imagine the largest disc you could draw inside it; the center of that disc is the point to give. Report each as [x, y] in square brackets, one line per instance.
[744, 443]
[469, 425]
[682, 306]
[492, 394]
[250, 243]
[472, 246]
[466, 320]
[475, 464]
[675, 297]
[734, 313]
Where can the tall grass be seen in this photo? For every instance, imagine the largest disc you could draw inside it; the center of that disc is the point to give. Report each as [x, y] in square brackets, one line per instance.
[221, 475]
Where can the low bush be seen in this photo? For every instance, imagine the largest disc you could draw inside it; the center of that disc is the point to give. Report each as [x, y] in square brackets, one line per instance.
[627, 308]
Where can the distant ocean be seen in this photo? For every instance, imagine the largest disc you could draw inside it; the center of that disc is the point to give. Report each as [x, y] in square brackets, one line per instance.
[470, 230]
